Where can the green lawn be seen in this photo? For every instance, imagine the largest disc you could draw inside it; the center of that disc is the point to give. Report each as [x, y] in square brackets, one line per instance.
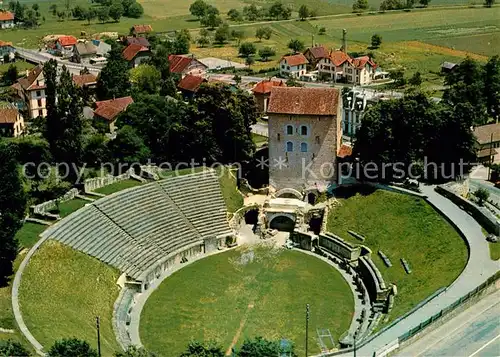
[68, 207]
[494, 251]
[230, 193]
[27, 236]
[259, 140]
[62, 292]
[262, 290]
[407, 227]
[118, 186]
[21, 67]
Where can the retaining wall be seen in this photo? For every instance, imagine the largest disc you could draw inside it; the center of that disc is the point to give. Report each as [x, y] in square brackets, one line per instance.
[44, 208]
[339, 247]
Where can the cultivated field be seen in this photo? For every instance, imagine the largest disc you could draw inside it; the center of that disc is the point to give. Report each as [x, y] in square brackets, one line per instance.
[62, 292]
[246, 293]
[403, 227]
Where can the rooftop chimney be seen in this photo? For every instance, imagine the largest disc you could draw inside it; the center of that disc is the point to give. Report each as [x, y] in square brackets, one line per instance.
[344, 40]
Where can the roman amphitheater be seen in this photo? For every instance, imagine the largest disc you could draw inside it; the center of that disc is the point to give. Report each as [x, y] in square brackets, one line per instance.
[176, 259]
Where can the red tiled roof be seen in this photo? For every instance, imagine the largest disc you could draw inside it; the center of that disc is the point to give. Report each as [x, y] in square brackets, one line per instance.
[265, 86]
[142, 28]
[179, 63]
[303, 101]
[191, 83]
[360, 62]
[109, 109]
[483, 133]
[28, 82]
[67, 41]
[295, 60]
[8, 115]
[131, 51]
[6, 16]
[318, 52]
[338, 58]
[84, 79]
[4, 44]
[345, 151]
[131, 40]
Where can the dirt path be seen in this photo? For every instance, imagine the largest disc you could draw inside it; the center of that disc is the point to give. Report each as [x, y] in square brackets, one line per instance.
[240, 329]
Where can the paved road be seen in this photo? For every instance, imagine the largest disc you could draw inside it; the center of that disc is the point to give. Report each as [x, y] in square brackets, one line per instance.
[42, 57]
[479, 268]
[473, 333]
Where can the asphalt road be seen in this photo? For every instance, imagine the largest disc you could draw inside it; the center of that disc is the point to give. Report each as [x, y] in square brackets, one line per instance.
[473, 333]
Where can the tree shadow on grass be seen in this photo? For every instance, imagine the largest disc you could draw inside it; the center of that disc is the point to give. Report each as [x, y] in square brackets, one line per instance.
[350, 191]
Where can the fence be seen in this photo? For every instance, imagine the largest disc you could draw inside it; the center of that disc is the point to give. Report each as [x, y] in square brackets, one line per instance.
[414, 331]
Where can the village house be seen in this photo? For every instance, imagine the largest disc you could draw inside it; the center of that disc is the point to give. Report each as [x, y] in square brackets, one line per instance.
[6, 49]
[106, 112]
[136, 54]
[31, 91]
[141, 30]
[11, 121]
[102, 48]
[262, 92]
[340, 67]
[293, 66]
[132, 40]
[83, 51]
[85, 80]
[64, 45]
[314, 55]
[184, 65]
[305, 136]
[6, 20]
[190, 84]
[488, 139]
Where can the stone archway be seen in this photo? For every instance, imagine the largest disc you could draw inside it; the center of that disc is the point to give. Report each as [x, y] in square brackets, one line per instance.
[282, 222]
[289, 193]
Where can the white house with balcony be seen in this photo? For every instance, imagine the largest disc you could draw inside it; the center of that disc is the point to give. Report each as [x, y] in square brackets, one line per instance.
[293, 66]
[340, 67]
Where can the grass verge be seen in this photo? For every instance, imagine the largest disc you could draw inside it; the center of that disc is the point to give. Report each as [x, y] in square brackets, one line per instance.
[118, 186]
[230, 193]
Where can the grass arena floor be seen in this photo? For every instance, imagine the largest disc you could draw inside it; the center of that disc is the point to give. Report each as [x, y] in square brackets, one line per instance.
[403, 226]
[246, 292]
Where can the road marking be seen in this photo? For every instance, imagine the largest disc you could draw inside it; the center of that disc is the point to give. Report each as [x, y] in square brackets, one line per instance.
[456, 329]
[484, 346]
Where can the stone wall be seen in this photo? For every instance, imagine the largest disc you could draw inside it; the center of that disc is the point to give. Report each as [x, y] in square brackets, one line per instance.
[339, 247]
[373, 280]
[304, 239]
[487, 220]
[44, 208]
[95, 183]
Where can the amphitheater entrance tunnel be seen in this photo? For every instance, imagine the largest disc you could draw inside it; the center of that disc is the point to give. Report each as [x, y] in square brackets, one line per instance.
[282, 223]
[252, 216]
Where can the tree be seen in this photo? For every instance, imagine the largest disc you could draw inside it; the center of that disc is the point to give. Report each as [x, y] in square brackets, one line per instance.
[198, 8]
[204, 38]
[116, 11]
[415, 80]
[267, 52]
[53, 9]
[133, 351]
[211, 20]
[128, 147]
[482, 195]
[392, 5]
[10, 76]
[234, 15]
[103, 14]
[263, 32]
[322, 31]
[249, 61]
[78, 12]
[251, 12]
[278, 11]
[376, 41]
[398, 76]
[96, 151]
[360, 5]
[71, 347]
[489, 3]
[292, 82]
[424, 3]
[35, 7]
[238, 35]
[135, 10]
[113, 81]
[31, 18]
[296, 45]
[304, 12]
[197, 349]
[492, 87]
[146, 78]
[182, 42]
[260, 347]
[13, 206]
[247, 49]
[12, 348]
[126, 6]
[221, 34]
[90, 14]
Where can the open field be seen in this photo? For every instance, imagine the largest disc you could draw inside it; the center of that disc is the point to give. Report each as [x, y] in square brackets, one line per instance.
[259, 292]
[118, 186]
[403, 227]
[485, 44]
[62, 292]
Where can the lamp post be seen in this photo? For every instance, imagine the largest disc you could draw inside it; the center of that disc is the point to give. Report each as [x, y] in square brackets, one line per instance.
[307, 326]
[98, 325]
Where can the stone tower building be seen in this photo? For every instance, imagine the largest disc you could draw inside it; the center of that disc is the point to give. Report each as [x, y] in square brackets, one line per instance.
[305, 136]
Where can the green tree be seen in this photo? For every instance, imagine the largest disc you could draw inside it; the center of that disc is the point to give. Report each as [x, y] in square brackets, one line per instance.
[278, 11]
[247, 49]
[234, 15]
[198, 9]
[133, 351]
[35, 7]
[116, 11]
[78, 12]
[398, 76]
[96, 151]
[13, 206]
[322, 31]
[222, 34]
[251, 12]
[489, 3]
[182, 42]
[10, 76]
[128, 147]
[113, 81]
[376, 41]
[90, 14]
[267, 52]
[238, 35]
[482, 195]
[296, 45]
[424, 3]
[415, 80]
[260, 347]
[13, 348]
[53, 9]
[204, 38]
[197, 349]
[146, 78]
[360, 5]
[103, 14]
[71, 347]
[135, 10]
[126, 6]
[304, 12]
[492, 87]
[211, 20]
[263, 33]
